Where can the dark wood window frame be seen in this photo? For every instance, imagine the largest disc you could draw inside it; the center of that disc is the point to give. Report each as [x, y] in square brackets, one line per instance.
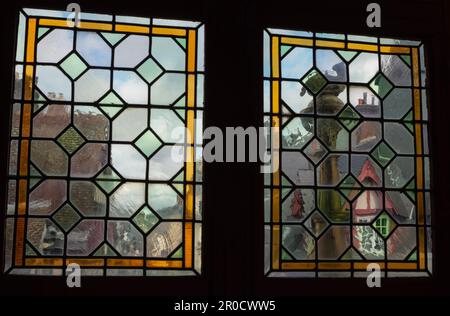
[233, 239]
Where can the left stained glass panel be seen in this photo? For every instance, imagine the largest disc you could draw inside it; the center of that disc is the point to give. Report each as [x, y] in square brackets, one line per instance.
[92, 174]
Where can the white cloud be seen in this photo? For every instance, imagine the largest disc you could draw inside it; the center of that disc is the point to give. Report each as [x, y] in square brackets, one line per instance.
[131, 51]
[364, 67]
[54, 46]
[130, 87]
[128, 161]
[51, 79]
[92, 85]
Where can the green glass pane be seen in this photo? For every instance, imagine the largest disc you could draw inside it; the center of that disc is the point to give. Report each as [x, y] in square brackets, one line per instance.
[37, 106]
[285, 182]
[179, 177]
[71, 140]
[413, 256]
[351, 254]
[113, 38]
[111, 111]
[34, 172]
[409, 126]
[286, 110]
[182, 41]
[108, 186]
[407, 59]
[284, 192]
[178, 254]
[285, 255]
[315, 151]
[383, 154]
[294, 135]
[347, 54]
[284, 49]
[145, 219]
[108, 174]
[66, 217]
[350, 188]
[33, 182]
[409, 116]
[148, 143]
[411, 185]
[73, 65]
[350, 193]
[314, 81]
[149, 70]
[179, 187]
[384, 224]
[412, 195]
[30, 252]
[349, 183]
[111, 98]
[182, 113]
[181, 102]
[105, 251]
[349, 117]
[316, 223]
[38, 97]
[42, 31]
[381, 85]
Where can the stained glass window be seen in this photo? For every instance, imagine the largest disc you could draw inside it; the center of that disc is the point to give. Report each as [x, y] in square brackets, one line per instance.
[349, 125]
[99, 109]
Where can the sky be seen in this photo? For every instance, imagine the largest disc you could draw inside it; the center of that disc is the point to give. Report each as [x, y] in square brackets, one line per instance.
[57, 44]
[96, 82]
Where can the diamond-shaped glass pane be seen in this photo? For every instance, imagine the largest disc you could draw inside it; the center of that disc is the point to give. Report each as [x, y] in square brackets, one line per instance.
[71, 140]
[383, 154]
[66, 217]
[107, 185]
[314, 81]
[294, 134]
[149, 70]
[406, 59]
[349, 183]
[347, 55]
[73, 65]
[145, 219]
[316, 223]
[30, 252]
[349, 117]
[108, 174]
[349, 187]
[105, 251]
[148, 143]
[113, 38]
[351, 254]
[315, 151]
[285, 255]
[381, 85]
[111, 98]
[384, 224]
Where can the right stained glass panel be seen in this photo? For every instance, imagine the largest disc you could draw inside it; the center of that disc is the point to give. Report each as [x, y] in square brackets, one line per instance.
[349, 115]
